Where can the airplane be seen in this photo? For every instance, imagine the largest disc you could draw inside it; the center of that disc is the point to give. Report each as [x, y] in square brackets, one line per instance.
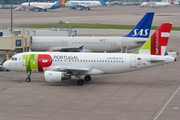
[177, 3]
[135, 38]
[155, 4]
[84, 4]
[41, 5]
[109, 4]
[59, 66]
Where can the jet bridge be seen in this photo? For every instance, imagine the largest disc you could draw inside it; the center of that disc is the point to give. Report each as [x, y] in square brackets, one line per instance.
[19, 43]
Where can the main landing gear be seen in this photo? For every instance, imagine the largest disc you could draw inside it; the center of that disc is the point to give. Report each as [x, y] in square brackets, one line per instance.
[87, 78]
[28, 79]
[81, 81]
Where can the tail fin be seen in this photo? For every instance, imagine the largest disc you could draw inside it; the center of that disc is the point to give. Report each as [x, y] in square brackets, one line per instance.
[58, 4]
[103, 2]
[157, 43]
[61, 3]
[142, 29]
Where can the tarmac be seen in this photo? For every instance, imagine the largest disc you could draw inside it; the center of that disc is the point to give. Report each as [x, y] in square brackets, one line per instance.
[149, 94]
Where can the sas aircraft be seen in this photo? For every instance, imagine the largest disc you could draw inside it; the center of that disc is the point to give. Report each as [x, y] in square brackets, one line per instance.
[136, 38]
[42, 5]
[59, 66]
[84, 4]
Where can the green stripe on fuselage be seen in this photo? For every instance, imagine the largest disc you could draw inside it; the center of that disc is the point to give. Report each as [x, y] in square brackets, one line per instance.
[31, 61]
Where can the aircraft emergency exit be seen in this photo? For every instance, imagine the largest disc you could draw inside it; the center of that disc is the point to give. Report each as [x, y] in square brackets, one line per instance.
[136, 38]
[59, 66]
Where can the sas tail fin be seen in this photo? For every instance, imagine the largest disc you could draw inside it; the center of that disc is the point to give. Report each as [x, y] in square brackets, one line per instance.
[157, 43]
[142, 29]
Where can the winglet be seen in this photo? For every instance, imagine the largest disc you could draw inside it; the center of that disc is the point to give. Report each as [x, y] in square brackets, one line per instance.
[103, 2]
[157, 43]
[142, 29]
[81, 47]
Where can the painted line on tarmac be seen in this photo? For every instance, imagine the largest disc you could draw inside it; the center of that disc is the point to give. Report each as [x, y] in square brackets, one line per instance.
[167, 103]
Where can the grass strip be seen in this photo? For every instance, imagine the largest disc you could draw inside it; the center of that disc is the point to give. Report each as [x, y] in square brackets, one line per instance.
[94, 26]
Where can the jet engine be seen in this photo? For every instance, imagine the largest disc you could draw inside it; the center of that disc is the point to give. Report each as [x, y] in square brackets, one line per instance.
[54, 76]
[31, 8]
[73, 7]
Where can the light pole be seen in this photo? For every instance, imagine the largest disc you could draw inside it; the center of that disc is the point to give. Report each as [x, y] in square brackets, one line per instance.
[11, 19]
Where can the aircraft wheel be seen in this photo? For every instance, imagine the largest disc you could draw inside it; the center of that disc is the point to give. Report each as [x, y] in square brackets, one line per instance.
[39, 10]
[28, 79]
[45, 10]
[89, 9]
[81, 9]
[87, 78]
[80, 82]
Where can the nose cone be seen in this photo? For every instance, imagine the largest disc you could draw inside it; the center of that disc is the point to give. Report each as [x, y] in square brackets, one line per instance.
[5, 65]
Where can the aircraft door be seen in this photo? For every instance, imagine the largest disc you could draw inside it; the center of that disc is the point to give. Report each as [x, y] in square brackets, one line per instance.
[124, 46]
[62, 43]
[133, 62]
[25, 63]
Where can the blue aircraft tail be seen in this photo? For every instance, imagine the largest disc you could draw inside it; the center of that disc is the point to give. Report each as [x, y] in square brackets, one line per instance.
[142, 29]
[58, 4]
[103, 2]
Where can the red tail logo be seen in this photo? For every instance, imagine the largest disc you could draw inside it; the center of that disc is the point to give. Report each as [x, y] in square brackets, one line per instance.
[160, 38]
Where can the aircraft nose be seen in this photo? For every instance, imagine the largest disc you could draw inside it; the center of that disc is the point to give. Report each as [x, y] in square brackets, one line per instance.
[5, 65]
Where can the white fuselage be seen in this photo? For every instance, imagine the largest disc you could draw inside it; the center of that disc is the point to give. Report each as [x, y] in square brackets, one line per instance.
[90, 44]
[83, 3]
[37, 4]
[94, 63]
[157, 4]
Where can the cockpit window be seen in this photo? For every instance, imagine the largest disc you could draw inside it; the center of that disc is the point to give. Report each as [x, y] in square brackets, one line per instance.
[14, 58]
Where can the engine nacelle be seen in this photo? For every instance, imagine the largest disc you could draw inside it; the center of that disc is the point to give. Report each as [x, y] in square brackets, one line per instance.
[73, 7]
[53, 76]
[31, 8]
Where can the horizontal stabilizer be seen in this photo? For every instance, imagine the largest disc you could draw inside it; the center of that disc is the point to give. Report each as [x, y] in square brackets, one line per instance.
[155, 60]
[142, 41]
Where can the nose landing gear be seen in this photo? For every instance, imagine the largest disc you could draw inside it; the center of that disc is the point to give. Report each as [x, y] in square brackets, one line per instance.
[28, 79]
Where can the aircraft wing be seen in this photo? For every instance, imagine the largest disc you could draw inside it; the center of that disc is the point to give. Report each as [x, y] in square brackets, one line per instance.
[69, 49]
[71, 68]
[81, 5]
[38, 7]
[77, 70]
[66, 49]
